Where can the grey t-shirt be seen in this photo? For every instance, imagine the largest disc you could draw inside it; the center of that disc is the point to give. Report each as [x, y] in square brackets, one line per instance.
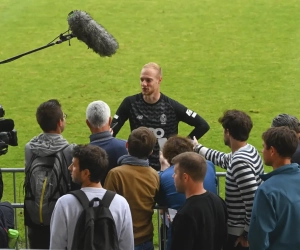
[68, 209]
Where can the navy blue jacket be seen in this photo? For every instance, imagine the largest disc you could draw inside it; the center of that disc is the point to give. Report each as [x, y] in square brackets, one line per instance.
[115, 148]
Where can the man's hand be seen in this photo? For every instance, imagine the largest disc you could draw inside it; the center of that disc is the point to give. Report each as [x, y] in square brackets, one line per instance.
[242, 241]
[195, 142]
[196, 146]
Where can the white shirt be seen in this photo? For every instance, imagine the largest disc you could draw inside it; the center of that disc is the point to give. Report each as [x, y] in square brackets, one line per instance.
[68, 209]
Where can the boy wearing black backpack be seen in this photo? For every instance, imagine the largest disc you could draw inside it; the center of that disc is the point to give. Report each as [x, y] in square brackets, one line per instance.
[91, 218]
[47, 157]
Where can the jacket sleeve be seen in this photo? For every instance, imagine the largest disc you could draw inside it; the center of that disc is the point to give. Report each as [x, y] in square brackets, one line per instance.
[263, 221]
[121, 115]
[216, 157]
[191, 118]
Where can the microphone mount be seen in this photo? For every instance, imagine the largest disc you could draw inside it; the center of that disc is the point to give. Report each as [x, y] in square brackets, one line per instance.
[62, 38]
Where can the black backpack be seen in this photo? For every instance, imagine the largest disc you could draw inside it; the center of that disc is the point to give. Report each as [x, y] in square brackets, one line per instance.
[3, 231]
[46, 180]
[95, 228]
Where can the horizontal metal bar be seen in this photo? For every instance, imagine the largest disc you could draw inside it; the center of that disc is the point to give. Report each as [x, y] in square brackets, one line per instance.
[20, 170]
[17, 205]
[12, 170]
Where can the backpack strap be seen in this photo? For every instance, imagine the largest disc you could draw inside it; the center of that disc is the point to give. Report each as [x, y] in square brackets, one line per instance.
[81, 197]
[84, 201]
[107, 198]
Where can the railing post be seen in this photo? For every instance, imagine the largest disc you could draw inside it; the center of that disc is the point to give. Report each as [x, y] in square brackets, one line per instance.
[218, 185]
[15, 199]
[158, 228]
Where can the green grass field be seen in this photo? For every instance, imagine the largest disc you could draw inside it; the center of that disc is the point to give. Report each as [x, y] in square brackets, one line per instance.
[215, 56]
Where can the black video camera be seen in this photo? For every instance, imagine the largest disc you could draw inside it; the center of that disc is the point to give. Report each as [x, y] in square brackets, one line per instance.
[8, 136]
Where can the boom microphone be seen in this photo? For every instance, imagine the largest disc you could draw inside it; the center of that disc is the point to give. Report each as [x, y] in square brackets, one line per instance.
[91, 33]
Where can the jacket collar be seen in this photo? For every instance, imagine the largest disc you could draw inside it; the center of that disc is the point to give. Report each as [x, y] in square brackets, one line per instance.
[285, 169]
[133, 161]
[102, 136]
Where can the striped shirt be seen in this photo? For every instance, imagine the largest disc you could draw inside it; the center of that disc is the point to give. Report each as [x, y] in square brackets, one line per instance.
[242, 179]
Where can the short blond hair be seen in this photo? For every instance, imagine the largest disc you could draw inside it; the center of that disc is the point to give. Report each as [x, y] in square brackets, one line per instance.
[155, 66]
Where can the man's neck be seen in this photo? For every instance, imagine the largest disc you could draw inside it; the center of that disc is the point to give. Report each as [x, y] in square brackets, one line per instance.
[236, 145]
[91, 184]
[281, 162]
[57, 132]
[99, 130]
[194, 190]
[152, 98]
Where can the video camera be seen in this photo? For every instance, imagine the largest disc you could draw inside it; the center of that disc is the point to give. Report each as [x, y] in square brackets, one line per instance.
[8, 136]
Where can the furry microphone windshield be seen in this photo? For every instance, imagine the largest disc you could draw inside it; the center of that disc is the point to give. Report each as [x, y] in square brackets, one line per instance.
[91, 33]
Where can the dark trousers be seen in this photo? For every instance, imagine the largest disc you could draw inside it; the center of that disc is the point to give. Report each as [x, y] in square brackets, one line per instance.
[39, 238]
[230, 243]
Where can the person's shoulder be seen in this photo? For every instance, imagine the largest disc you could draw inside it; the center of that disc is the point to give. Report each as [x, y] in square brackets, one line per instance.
[27, 147]
[120, 199]
[65, 200]
[118, 169]
[69, 148]
[33, 139]
[119, 141]
[210, 165]
[268, 188]
[246, 151]
[133, 98]
[154, 176]
[167, 172]
[120, 204]
[169, 99]
[247, 154]
[153, 171]
[213, 198]
[241, 155]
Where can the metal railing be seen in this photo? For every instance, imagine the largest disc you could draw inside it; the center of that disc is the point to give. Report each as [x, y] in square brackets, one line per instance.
[21, 205]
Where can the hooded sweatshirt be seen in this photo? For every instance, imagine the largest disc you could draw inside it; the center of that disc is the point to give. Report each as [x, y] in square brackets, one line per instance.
[48, 144]
[44, 145]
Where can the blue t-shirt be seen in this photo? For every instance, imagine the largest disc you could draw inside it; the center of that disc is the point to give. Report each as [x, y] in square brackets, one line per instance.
[168, 195]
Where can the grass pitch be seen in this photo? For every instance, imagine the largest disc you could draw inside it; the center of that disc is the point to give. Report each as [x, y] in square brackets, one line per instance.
[215, 56]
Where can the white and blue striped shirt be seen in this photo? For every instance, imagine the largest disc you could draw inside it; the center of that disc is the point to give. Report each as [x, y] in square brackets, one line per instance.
[242, 179]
